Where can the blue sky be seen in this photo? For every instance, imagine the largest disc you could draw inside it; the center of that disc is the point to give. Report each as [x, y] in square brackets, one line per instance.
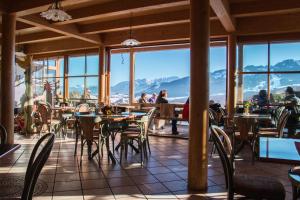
[156, 64]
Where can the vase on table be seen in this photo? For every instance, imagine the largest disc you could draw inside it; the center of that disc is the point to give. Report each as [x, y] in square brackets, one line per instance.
[246, 110]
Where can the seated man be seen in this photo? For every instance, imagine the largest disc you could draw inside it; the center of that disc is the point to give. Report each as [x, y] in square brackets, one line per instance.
[292, 103]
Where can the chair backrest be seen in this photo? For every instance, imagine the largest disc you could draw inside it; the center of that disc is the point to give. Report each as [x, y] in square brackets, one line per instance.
[83, 108]
[213, 118]
[3, 135]
[282, 121]
[278, 113]
[150, 115]
[87, 124]
[38, 158]
[45, 113]
[225, 152]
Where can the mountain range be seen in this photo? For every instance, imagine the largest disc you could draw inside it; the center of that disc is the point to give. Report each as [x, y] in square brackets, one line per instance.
[178, 87]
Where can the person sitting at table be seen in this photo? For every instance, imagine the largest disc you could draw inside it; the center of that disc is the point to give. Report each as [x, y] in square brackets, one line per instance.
[292, 103]
[262, 98]
[153, 98]
[143, 98]
[162, 98]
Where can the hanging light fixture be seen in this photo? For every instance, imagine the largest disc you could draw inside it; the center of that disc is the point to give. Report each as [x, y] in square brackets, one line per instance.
[130, 42]
[56, 13]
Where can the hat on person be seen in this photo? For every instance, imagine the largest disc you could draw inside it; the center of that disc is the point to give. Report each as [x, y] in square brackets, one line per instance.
[290, 90]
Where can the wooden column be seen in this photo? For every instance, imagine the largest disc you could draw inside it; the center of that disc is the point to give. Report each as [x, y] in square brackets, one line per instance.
[240, 86]
[131, 78]
[107, 96]
[102, 57]
[231, 74]
[66, 80]
[29, 97]
[8, 74]
[199, 93]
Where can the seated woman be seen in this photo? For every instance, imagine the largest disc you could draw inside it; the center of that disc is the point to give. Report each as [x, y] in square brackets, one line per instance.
[143, 98]
[162, 98]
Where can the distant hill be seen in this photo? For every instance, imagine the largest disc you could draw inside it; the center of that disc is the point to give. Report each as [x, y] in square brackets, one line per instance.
[179, 86]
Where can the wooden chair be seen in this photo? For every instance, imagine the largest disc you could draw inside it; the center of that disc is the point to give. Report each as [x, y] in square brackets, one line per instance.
[88, 135]
[278, 131]
[3, 135]
[250, 186]
[45, 116]
[36, 164]
[138, 134]
[83, 108]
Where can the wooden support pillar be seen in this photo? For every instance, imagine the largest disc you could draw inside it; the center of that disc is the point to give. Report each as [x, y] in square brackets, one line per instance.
[102, 57]
[28, 105]
[107, 96]
[8, 74]
[131, 77]
[231, 74]
[66, 80]
[240, 86]
[199, 92]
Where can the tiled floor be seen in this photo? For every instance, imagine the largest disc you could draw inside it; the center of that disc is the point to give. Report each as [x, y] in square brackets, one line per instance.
[163, 176]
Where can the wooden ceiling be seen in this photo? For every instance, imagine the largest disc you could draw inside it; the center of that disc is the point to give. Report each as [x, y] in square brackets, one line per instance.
[107, 22]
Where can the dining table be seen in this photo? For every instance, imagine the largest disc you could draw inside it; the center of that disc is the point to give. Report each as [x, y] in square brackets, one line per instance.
[246, 123]
[6, 149]
[108, 125]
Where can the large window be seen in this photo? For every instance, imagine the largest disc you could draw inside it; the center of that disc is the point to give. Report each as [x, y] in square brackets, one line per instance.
[48, 72]
[83, 77]
[271, 67]
[217, 70]
[119, 80]
[163, 70]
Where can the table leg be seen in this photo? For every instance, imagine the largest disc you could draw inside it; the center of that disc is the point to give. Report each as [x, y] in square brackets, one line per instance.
[89, 145]
[295, 192]
[109, 153]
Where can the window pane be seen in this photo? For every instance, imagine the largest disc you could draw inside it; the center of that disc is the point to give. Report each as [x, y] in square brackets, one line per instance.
[119, 78]
[61, 67]
[279, 82]
[255, 58]
[51, 73]
[76, 87]
[217, 81]
[92, 64]
[253, 83]
[163, 70]
[76, 66]
[92, 86]
[285, 57]
[19, 86]
[37, 89]
[52, 62]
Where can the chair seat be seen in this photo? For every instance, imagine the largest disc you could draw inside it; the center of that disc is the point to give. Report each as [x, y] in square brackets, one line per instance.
[131, 134]
[259, 187]
[268, 133]
[268, 129]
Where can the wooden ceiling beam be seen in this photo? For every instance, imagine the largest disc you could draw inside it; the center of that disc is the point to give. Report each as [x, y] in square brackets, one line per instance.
[265, 7]
[119, 7]
[161, 19]
[287, 23]
[54, 46]
[69, 30]
[25, 7]
[160, 34]
[151, 35]
[222, 10]
[39, 37]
